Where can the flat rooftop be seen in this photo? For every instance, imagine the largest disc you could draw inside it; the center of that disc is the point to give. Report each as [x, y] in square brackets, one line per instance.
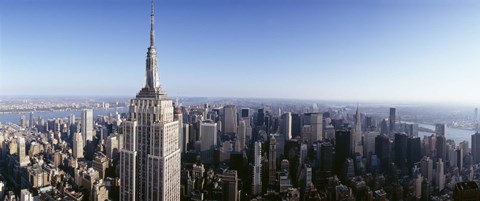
[466, 185]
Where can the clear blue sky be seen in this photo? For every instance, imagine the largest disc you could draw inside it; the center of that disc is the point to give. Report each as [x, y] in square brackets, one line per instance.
[384, 50]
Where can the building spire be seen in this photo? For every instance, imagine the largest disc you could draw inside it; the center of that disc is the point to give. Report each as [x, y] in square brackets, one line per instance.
[152, 28]
[152, 84]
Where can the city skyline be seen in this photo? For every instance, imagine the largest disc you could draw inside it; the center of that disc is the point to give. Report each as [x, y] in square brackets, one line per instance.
[395, 61]
[409, 51]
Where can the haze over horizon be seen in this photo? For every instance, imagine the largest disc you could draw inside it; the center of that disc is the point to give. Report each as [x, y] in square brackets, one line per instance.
[413, 51]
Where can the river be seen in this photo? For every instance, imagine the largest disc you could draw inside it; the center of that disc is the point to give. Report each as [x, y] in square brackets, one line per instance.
[456, 134]
[15, 117]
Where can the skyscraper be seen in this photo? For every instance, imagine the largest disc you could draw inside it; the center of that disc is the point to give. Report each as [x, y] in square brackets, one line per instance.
[272, 160]
[427, 168]
[476, 147]
[23, 159]
[414, 153]
[150, 154]
[77, 145]
[326, 157]
[459, 159]
[312, 127]
[229, 120]
[23, 121]
[343, 149]
[208, 138]
[400, 150]
[257, 169]
[287, 125]
[358, 133]
[31, 122]
[178, 113]
[441, 147]
[87, 126]
[392, 119]
[466, 191]
[241, 135]
[383, 149]
[441, 129]
[246, 117]
[25, 195]
[439, 175]
[475, 115]
[230, 185]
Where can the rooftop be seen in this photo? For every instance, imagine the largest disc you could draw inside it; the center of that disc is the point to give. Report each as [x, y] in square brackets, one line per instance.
[469, 185]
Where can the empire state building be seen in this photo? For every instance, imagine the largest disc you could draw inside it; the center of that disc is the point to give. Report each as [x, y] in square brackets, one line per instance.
[150, 154]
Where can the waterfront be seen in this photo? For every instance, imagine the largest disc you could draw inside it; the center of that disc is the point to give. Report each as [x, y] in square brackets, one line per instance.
[6, 118]
[456, 134]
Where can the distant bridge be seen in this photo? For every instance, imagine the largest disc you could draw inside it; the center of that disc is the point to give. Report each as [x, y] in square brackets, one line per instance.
[427, 130]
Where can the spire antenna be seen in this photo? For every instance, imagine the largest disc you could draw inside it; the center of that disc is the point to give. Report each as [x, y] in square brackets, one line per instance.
[152, 29]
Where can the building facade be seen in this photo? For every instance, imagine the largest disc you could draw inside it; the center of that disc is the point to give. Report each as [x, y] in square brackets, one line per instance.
[150, 154]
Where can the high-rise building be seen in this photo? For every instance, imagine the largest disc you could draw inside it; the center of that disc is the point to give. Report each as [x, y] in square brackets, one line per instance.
[260, 117]
[440, 143]
[178, 116]
[31, 121]
[241, 135]
[78, 145]
[476, 147]
[208, 139]
[459, 158]
[414, 153]
[99, 191]
[100, 164]
[150, 154]
[464, 147]
[87, 125]
[246, 117]
[257, 169]
[326, 157]
[186, 137]
[441, 129]
[312, 127]
[475, 115]
[418, 186]
[229, 120]
[384, 127]
[296, 125]
[427, 168]
[287, 125]
[245, 113]
[412, 130]
[400, 146]
[230, 185]
[272, 160]
[25, 195]
[392, 119]
[23, 121]
[71, 125]
[23, 159]
[439, 175]
[358, 133]
[303, 153]
[383, 149]
[2, 189]
[466, 191]
[343, 149]
[71, 119]
[369, 142]
[111, 146]
[307, 177]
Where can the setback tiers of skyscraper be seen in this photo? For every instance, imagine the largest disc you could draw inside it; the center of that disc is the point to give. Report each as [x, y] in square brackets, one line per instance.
[150, 155]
